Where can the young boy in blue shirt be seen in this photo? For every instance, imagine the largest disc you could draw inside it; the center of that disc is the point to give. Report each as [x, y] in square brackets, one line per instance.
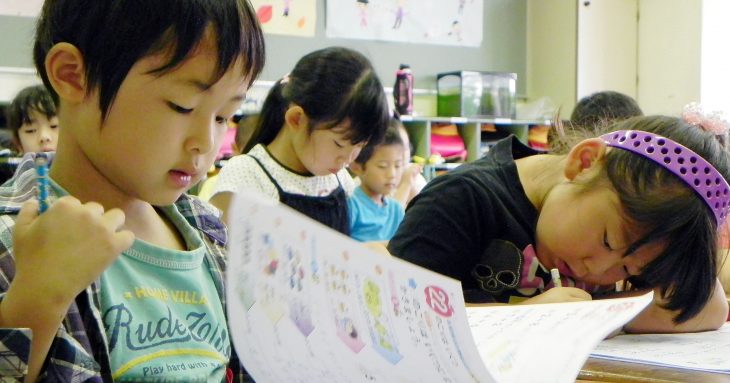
[144, 94]
[374, 215]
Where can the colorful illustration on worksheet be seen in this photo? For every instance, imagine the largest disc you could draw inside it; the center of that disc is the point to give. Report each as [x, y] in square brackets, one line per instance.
[340, 286]
[269, 295]
[281, 288]
[245, 282]
[311, 305]
[298, 283]
[379, 295]
[427, 312]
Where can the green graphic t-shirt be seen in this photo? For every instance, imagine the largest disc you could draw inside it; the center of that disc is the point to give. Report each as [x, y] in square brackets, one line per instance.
[162, 314]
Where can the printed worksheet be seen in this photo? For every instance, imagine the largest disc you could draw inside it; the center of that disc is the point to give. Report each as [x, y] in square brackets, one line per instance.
[705, 351]
[547, 342]
[308, 304]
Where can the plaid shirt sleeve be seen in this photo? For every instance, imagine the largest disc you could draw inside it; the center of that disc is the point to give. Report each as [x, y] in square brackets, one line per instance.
[79, 353]
[70, 358]
[14, 353]
[14, 342]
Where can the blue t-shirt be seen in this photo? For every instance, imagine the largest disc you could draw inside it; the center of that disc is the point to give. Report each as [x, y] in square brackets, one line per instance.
[162, 313]
[370, 221]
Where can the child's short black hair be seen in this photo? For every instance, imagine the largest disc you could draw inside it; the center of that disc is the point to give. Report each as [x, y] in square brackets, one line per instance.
[33, 98]
[603, 108]
[392, 137]
[113, 35]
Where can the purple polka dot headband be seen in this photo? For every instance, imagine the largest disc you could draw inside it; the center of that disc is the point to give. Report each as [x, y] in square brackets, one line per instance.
[694, 170]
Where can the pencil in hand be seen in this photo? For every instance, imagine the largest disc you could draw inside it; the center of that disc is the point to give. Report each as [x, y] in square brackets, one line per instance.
[555, 274]
[41, 168]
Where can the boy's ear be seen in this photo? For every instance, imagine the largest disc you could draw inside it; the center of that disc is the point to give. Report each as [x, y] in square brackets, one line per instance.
[295, 116]
[584, 156]
[17, 146]
[66, 72]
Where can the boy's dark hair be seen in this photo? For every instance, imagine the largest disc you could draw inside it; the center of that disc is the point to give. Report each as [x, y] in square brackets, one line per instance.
[657, 201]
[113, 35]
[592, 116]
[604, 107]
[392, 137]
[331, 85]
[33, 98]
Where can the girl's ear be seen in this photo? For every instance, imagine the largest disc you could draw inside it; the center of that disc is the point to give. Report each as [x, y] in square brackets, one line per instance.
[66, 72]
[356, 168]
[235, 149]
[295, 117]
[584, 156]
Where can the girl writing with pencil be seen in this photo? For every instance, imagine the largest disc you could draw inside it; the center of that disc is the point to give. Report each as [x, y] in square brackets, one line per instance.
[641, 204]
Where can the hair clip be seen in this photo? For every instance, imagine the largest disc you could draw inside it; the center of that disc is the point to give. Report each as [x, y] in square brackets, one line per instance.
[714, 122]
[285, 80]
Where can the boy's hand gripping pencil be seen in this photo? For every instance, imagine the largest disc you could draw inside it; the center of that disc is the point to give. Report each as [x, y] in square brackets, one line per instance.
[41, 167]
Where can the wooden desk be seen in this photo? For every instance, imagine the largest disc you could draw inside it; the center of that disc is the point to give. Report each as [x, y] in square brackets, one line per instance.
[599, 370]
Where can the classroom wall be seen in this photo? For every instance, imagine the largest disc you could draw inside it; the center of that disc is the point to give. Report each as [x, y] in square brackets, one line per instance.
[16, 61]
[715, 76]
[670, 41]
[677, 62]
[607, 46]
[503, 49]
[551, 52]
[679, 58]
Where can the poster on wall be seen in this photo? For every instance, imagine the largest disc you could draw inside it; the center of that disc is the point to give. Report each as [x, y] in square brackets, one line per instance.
[23, 8]
[446, 22]
[287, 17]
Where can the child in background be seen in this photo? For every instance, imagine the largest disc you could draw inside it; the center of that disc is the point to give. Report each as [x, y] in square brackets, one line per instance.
[374, 215]
[591, 116]
[32, 120]
[600, 214]
[602, 108]
[144, 95]
[412, 181]
[313, 123]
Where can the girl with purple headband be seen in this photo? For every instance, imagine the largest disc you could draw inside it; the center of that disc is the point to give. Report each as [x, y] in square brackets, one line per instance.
[641, 205]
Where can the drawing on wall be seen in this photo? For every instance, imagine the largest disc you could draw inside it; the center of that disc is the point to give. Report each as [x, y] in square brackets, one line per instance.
[446, 22]
[287, 17]
[24, 8]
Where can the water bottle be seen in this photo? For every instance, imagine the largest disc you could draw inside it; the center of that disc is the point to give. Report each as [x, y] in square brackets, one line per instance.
[403, 90]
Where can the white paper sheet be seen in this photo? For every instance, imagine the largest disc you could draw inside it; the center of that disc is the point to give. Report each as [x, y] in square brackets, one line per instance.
[307, 304]
[548, 342]
[704, 351]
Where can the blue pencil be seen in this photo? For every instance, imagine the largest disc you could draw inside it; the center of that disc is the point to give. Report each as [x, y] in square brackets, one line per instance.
[41, 168]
